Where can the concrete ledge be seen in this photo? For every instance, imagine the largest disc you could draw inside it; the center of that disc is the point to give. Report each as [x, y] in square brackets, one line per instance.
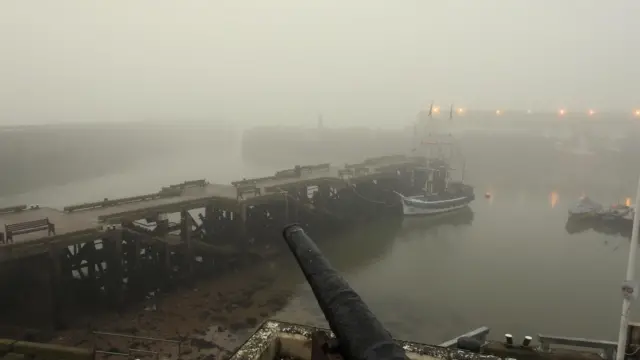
[275, 339]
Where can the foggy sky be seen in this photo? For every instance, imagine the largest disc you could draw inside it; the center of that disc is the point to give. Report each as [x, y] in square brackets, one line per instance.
[284, 61]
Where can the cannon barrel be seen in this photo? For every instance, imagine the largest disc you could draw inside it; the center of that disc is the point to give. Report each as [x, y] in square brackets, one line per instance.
[359, 333]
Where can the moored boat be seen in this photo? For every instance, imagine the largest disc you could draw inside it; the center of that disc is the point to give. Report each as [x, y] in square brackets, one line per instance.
[440, 194]
[430, 204]
[585, 208]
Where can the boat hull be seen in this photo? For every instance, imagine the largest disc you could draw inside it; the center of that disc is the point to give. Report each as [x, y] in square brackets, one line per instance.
[413, 206]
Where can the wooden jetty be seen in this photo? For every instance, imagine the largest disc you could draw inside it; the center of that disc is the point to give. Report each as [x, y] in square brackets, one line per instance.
[55, 260]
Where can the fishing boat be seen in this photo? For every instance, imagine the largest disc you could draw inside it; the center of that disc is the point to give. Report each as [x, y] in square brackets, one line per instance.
[585, 208]
[440, 194]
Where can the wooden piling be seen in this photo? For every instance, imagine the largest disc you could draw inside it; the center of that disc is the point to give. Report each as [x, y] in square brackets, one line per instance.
[240, 220]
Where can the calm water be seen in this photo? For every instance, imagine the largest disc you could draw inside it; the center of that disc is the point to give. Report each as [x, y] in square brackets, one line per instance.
[509, 264]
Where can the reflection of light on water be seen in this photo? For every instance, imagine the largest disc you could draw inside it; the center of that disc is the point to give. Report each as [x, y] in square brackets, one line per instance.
[553, 199]
[627, 201]
[490, 195]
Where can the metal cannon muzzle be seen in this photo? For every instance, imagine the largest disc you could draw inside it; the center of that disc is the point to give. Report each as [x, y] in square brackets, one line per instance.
[359, 333]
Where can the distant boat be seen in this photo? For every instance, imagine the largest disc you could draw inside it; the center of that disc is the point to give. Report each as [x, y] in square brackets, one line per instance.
[585, 208]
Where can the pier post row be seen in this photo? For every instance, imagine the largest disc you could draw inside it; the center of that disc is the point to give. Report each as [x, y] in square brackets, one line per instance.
[111, 251]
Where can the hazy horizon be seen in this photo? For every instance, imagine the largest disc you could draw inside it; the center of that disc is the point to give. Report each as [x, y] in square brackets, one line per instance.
[284, 61]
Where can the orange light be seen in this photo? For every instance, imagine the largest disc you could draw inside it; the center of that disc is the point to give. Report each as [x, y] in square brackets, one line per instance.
[591, 112]
[460, 110]
[637, 112]
[553, 199]
[562, 112]
[498, 112]
[627, 201]
[436, 109]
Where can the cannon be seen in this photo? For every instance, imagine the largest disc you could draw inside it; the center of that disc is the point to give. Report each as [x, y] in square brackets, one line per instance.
[359, 335]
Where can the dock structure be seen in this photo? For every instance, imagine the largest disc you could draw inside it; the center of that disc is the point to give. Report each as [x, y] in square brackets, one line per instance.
[55, 260]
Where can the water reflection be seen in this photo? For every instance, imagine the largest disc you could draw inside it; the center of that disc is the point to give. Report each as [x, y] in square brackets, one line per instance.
[361, 245]
[577, 226]
[461, 217]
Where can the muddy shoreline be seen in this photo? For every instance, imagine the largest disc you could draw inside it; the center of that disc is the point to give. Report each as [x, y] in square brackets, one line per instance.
[211, 317]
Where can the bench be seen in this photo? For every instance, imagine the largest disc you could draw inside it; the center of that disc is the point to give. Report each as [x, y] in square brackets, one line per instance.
[289, 173]
[28, 227]
[247, 189]
[311, 168]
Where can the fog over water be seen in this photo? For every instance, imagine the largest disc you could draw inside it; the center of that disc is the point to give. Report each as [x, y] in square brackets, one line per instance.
[110, 99]
[509, 263]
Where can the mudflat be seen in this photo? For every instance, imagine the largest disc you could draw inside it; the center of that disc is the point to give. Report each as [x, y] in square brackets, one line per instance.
[211, 318]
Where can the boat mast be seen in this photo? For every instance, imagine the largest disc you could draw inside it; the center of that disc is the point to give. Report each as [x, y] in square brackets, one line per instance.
[451, 112]
[629, 287]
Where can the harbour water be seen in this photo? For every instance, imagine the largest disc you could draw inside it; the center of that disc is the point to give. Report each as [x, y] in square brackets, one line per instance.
[508, 263]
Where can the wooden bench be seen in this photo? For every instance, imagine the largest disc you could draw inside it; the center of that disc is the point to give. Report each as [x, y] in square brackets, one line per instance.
[247, 189]
[311, 168]
[289, 173]
[28, 227]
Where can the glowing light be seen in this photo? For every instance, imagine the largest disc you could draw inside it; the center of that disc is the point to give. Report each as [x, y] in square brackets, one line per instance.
[591, 112]
[562, 112]
[460, 110]
[529, 111]
[498, 112]
[436, 109]
[627, 201]
[637, 112]
[553, 199]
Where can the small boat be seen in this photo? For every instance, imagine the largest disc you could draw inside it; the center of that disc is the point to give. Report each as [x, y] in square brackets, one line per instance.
[440, 195]
[431, 204]
[617, 213]
[585, 208]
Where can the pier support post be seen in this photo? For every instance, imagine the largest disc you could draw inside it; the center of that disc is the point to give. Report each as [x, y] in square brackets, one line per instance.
[209, 221]
[242, 231]
[114, 267]
[187, 227]
[55, 254]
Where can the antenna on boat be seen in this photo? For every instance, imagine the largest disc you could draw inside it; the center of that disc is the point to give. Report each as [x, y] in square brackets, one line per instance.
[431, 109]
[630, 286]
[451, 112]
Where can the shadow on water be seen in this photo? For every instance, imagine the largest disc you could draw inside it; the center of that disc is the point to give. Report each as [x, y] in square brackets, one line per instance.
[358, 251]
[615, 228]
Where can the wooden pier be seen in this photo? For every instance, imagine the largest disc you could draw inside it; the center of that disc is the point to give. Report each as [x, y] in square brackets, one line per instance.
[55, 260]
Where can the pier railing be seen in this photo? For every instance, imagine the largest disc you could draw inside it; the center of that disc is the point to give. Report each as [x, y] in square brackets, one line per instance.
[607, 347]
